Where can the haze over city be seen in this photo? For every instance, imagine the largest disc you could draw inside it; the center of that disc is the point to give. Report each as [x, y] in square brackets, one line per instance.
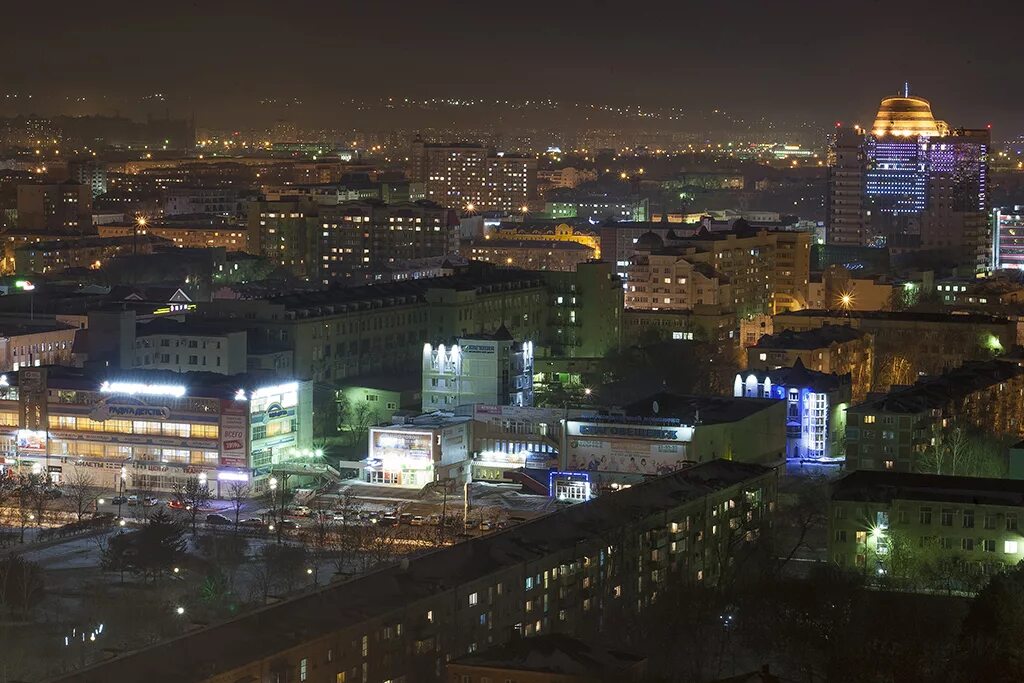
[532, 342]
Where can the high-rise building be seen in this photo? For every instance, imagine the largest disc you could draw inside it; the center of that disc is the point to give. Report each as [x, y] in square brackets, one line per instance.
[911, 183]
[89, 172]
[369, 236]
[285, 232]
[469, 177]
[63, 208]
[1008, 238]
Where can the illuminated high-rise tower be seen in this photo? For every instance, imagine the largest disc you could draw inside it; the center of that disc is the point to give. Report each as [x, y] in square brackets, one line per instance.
[911, 183]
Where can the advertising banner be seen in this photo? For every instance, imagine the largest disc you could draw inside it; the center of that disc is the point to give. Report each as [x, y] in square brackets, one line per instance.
[234, 438]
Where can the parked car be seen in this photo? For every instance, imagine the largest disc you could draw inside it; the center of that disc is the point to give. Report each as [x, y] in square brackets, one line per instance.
[469, 524]
[176, 504]
[417, 520]
[254, 522]
[486, 525]
[434, 520]
[388, 520]
[297, 511]
[150, 501]
[405, 518]
[288, 524]
[119, 500]
[133, 499]
[322, 514]
[219, 520]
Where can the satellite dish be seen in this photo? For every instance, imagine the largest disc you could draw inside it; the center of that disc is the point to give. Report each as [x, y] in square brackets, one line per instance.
[655, 407]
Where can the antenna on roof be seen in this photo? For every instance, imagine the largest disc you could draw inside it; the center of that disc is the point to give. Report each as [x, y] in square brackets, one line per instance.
[906, 88]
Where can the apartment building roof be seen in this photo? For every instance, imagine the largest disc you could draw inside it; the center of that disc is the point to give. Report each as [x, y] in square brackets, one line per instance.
[907, 316]
[554, 653]
[473, 277]
[818, 338]
[881, 486]
[931, 393]
[799, 376]
[205, 652]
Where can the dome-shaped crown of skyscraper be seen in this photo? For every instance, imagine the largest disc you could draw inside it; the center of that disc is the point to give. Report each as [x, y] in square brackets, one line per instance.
[907, 116]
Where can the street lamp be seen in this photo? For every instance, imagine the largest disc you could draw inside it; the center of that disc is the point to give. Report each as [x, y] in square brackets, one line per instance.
[273, 506]
[120, 495]
[846, 300]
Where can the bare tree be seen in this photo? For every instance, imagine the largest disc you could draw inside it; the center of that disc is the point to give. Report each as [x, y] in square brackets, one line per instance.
[238, 493]
[193, 496]
[958, 451]
[80, 491]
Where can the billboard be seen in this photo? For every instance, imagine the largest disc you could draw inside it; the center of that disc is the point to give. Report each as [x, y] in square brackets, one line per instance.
[645, 447]
[234, 427]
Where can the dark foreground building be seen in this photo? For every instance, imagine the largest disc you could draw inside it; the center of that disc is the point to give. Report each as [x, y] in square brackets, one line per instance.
[569, 572]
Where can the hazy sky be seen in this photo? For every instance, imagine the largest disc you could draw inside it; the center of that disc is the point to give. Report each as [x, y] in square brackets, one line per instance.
[822, 59]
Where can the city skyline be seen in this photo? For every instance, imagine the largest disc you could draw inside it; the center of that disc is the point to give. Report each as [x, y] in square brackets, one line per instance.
[803, 62]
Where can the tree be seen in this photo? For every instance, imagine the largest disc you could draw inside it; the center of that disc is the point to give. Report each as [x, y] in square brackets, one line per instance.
[356, 418]
[193, 495]
[21, 584]
[160, 545]
[989, 648]
[80, 491]
[238, 493]
[961, 451]
[150, 552]
[799, 513]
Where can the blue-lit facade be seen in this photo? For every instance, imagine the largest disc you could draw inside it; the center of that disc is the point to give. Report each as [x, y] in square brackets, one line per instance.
[816, 405]
[896, 181]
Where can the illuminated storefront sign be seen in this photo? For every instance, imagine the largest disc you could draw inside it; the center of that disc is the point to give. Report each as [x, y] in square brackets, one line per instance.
[132, 388]
[107, 411]
[31, 442]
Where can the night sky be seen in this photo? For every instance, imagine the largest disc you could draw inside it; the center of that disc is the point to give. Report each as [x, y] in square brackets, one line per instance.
[818, 60]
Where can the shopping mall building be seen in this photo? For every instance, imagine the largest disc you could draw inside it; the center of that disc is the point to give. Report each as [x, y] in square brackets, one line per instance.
[161, 427]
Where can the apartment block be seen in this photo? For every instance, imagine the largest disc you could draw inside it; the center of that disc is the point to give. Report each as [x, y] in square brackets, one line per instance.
[894, 432]
[972, 521]
[567, 572]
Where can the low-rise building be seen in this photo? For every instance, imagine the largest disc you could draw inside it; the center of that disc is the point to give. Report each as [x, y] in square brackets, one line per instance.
[29, 341]
[569, 572]
[974, 521]
[56, 256]
[158, 428]
[838, 349]
[419, 450]
[816, 404]
[530, 255]
[702, 323]
[667, 432]
[200, 233]
[493, 369]
[894, 431]
[510, 437]
[908, 344]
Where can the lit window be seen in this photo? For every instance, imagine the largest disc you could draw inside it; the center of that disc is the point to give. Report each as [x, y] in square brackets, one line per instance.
[1010, 547]
[473, 599]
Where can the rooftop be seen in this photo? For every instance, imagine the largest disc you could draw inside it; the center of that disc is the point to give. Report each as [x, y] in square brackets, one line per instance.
[554, 653]
[881, 486]
[697, 409]
[799, 376]
[197, 384]
[818, 338]
[931, 393]
[205, 652]
[908, 316]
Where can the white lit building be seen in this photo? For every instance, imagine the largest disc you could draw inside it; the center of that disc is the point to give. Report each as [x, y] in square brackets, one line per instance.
[490, 369]
[156, 428]
[426, 448]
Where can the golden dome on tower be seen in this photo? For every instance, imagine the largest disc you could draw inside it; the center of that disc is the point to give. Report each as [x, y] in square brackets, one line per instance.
[907, 116]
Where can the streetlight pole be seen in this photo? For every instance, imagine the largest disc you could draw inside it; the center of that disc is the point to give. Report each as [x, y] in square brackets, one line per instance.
[120, 496]
[273, 506]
